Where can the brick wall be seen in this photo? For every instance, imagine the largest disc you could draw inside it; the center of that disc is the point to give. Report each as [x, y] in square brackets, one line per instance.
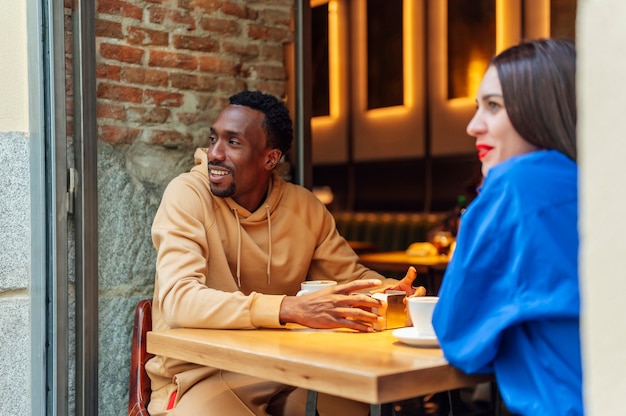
[166, 67]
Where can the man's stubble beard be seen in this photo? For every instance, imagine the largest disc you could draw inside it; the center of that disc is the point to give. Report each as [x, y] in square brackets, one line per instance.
[224, 193]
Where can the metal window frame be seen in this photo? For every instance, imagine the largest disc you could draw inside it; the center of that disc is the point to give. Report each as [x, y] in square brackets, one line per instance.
[303, 93]
[86, 206]
[48, 169]
[38, 282]
[51, 203]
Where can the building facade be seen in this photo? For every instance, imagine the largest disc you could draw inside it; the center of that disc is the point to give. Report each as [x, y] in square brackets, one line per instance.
[157, 73]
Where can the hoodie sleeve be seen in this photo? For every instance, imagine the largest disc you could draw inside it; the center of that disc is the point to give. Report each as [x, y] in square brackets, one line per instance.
[180, 233]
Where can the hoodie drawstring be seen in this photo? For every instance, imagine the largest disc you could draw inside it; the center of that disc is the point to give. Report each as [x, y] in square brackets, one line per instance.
[269, 243]
[269, 240]
[238, 248]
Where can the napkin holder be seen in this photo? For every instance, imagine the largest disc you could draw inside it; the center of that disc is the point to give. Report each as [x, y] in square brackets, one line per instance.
[395, 315]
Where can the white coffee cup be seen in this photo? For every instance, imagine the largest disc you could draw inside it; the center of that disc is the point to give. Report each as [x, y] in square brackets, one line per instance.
[310, 286]
[421, 312]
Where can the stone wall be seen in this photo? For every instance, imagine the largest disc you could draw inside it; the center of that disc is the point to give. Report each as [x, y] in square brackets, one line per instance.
[14, 274]
[164, 70]
[15, 214]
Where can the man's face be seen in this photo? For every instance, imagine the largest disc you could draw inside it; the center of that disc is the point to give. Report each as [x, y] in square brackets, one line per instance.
[239, 159]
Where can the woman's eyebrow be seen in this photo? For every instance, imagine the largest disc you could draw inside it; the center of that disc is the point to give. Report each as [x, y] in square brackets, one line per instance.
[490, 95]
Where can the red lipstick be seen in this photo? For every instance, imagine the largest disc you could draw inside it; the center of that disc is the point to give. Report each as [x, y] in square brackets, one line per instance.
[483, 149]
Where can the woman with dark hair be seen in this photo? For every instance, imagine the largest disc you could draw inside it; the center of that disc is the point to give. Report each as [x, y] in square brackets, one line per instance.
[509, 303]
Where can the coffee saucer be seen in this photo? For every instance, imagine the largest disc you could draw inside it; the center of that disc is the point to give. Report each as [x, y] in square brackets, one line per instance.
[409, 336]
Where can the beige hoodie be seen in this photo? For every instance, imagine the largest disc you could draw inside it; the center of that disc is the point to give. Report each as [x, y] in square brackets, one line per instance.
[221, 266]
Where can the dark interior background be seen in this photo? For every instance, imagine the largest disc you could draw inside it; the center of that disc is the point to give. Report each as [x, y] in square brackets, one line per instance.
[401, 185]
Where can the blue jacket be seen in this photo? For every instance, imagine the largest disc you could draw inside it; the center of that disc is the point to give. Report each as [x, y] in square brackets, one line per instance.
[509, 303]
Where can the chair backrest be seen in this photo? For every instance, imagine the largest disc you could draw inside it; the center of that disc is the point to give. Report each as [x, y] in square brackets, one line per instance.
[139, 389]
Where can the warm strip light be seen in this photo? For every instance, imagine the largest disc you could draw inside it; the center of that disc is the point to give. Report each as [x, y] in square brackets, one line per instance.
[383, 112]
[475, 71]
[322, 121]
[500, 16]
[333, 57]
[409, 52]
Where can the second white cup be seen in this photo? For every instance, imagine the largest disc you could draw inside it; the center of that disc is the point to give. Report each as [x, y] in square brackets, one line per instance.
[310, 286]
[421, 312]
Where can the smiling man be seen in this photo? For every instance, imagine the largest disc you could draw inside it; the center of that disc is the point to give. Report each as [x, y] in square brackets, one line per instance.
[242, 153]
[234, 242]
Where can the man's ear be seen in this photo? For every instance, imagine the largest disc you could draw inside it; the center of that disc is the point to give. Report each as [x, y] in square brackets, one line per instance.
[273, 157]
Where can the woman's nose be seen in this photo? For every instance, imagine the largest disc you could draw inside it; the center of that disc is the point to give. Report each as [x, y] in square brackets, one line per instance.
[476, 126]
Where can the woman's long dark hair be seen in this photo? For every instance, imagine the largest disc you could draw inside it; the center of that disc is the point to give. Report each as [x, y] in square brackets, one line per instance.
[538, 81]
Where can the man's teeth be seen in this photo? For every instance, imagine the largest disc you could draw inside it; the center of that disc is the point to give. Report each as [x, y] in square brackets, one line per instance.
[219, 172]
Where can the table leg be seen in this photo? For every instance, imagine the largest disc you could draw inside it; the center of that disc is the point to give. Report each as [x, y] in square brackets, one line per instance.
[385, 409]
[311, 403]
[375, 410]
[495, 399]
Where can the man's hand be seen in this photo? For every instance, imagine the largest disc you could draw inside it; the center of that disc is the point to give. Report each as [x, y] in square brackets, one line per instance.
[406, 285]
[335, 307]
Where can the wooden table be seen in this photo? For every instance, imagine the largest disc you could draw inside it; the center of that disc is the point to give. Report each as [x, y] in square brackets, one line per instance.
[369, 367]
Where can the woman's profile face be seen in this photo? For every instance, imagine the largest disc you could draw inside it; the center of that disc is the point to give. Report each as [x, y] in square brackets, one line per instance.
[496, 139]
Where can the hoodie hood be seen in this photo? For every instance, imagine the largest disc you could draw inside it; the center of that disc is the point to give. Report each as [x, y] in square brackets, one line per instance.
[243, 216]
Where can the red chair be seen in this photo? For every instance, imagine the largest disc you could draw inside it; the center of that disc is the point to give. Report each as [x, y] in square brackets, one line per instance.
[139, 391]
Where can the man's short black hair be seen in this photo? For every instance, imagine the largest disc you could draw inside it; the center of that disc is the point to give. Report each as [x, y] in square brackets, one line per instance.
[277, 125]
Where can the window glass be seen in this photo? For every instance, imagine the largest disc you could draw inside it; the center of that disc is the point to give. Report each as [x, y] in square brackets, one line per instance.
[471, 44]
[385, 80]
[319, 52]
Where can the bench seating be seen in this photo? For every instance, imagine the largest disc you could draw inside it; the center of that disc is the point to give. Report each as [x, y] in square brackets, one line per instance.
[388, 231]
